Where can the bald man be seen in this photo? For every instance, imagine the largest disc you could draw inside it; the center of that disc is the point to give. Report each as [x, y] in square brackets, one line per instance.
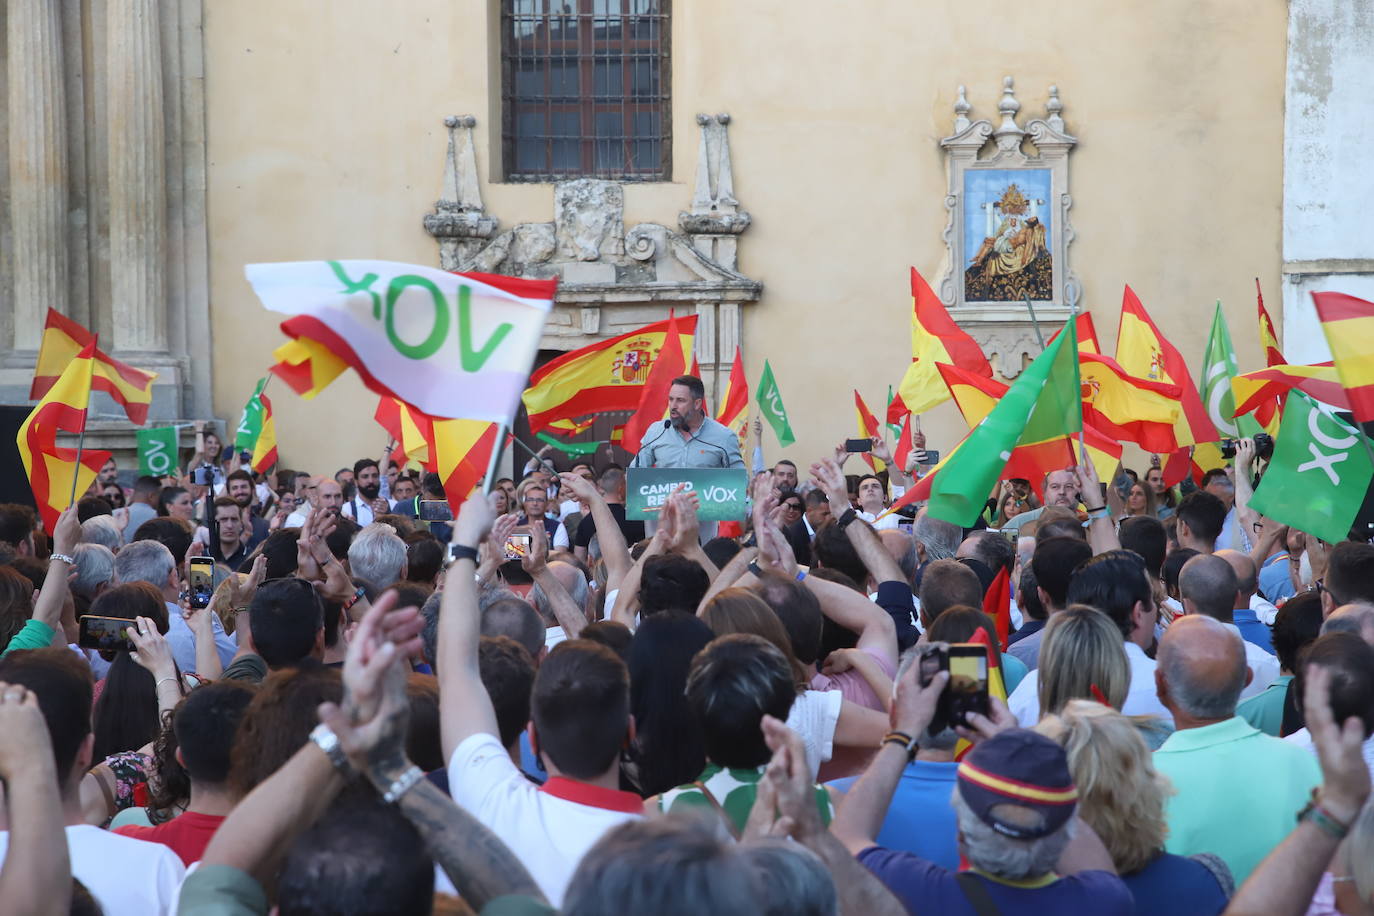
[1208, 586]
[1357, 618]
[1243, 614]
[1215, 758]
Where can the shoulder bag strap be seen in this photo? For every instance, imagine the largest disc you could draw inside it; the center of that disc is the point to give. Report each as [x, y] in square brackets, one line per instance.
[729, 824]
[977, 895]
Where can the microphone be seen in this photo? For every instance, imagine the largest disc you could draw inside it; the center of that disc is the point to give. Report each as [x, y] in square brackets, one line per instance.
[667, 425]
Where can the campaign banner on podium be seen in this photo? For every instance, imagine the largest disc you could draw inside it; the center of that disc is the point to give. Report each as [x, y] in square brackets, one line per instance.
[723, 492]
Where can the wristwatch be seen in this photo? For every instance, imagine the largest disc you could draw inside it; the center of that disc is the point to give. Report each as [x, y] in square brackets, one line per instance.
[324, 738]
[844, 520]
[462, 552]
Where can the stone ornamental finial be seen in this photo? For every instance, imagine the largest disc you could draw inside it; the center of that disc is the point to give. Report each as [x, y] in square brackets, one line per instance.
[715, 214]
[961, 110]
[1008, 134]
[1055, 108]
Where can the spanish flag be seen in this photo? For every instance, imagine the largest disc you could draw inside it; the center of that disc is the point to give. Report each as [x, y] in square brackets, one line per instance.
[997, 687]
[734, 401]
[462, 451]
[411, 429]
[1128, 409]
[265, 448]
[307, 365]
[670, 363]
[605, 376]
[997, 605]
[1348, 323]
[1268, 339]
[935, 338]
[868, 428]
[52, 469]
[1087, 334]
[62, 340]
[1321, 381]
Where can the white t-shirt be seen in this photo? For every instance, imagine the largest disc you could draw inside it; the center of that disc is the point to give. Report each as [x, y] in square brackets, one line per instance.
[548, 827]
[885, 523]
[813, 716]
[126, 876]
[1142, 698]
[553, 636]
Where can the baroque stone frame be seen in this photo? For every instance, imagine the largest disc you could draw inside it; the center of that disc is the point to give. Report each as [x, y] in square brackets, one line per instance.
[1006, 328]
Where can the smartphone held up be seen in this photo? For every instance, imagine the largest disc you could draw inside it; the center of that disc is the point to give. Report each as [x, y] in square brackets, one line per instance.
[967, 690]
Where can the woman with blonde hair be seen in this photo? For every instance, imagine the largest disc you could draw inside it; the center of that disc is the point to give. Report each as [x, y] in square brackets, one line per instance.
[1141, 499]
[1121, 796]
[1081, 658]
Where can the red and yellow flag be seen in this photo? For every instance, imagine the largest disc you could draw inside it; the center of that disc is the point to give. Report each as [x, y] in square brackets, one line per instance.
[412, 430]
[1128, 409]
[462, 450]
[605, 376]
[997, 687]
[307, 365]
[62, 340]
[935, 338]
[1268, 339]
[653, 396]
[734, 401]
[1087, 334]
[868, 428]
[265, 449]
[51, 469]
[1251, 390]
[1348, 323]
[997, 605]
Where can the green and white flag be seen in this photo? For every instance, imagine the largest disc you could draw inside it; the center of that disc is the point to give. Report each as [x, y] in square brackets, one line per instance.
[250, 425]
[894, 428]
[770, 403]
[1218, 368]
[1319, 474]
[157, 451]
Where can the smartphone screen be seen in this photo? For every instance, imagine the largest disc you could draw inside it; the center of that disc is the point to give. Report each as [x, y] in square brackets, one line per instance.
[107, 633]
[201, 581]
[906, 527]
[518, 546]
[968, 681]
[435, 510]
[858, 445]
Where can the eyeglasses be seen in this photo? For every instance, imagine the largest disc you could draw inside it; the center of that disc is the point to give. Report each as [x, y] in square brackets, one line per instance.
[793, 507]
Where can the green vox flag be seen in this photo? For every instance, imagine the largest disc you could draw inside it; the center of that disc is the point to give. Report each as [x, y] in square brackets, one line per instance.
[157, 451]
[1319, 474]
[250, 425]
[770, 403]
[1042, 408]
[1218, 368]
[571, 449]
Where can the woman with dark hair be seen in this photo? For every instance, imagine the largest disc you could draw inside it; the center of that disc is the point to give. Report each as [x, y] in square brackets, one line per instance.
[16, 603]
[279, 721]
[668, 749]
[175, 502]
[962, 624]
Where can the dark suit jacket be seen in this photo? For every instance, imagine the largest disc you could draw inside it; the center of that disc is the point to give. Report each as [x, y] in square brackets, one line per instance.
[801, 541]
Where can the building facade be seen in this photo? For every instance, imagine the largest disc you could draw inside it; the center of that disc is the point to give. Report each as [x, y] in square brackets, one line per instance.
[773, 168]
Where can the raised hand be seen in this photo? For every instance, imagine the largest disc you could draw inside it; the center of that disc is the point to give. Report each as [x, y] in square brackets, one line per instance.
[151, 651]
[880, 450]
[66, 534]
[581, 488]
[371, 725]
[537, 559]
[1345, 778]
[26, 745]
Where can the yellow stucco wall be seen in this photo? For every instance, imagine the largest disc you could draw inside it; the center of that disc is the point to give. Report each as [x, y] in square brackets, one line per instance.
[326, 140]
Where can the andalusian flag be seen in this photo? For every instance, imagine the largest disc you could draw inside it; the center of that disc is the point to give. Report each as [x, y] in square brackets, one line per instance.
[605, 376]
[1041, 406]
[454, 345]
[571, 449]
[1348, 324]
[63, 339]
[734, 401]
[265, 448]
[769, 399]
[670, 363]
[1320, 472]
[935, 338]
[1144, 353]
[868, 429]
[51, 469]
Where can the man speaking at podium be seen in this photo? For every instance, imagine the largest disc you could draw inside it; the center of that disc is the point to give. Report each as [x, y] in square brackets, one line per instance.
[688, 438]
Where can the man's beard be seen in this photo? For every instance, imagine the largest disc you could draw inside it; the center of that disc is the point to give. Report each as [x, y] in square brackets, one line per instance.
[682, 421]
[244, 500]
[370, 491]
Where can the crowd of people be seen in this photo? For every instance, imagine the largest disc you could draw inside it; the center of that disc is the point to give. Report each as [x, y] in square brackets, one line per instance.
[534, 704]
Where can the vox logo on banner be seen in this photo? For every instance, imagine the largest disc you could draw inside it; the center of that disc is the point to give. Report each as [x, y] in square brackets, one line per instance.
[722, 492]
[157, 451]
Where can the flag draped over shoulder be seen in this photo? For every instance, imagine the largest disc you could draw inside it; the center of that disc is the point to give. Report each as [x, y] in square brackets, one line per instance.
[867, 428]
[734, 401]
[1348, 323]
[935, 338]
[51, 470]
[670, 363]
[63, 339]
[769, 399]
[608, 375]
[1041, 407]
[454, 345]
[1319, 474]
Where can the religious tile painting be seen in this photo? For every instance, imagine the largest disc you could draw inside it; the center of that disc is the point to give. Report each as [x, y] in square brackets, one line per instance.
[1007, 235]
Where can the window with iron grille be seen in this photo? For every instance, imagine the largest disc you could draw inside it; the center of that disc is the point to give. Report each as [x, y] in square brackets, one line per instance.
[585, 89]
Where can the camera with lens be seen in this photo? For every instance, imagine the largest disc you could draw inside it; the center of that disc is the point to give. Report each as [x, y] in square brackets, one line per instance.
[1264, 447]
[204, 475]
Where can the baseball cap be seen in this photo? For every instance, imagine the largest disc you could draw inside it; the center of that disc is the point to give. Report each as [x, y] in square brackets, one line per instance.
[1023, 768]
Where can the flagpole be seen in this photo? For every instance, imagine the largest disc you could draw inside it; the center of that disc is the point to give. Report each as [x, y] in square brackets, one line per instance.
[497, 447]
[1036, 323]
[1073, 316]
[81, 439]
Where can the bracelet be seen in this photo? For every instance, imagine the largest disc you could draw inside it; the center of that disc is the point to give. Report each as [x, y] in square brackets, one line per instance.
[161, 680]
[358, 594]
[844, 520]
[324, 738]
[903, 740]
[1324, 819]
[462, 552]
[755, 568]
[402, 784]
[65, 558]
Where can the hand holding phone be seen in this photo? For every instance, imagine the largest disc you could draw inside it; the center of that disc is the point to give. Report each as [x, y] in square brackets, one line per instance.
[108, 634]
[200, 579]
[858, 445]
[518, 546]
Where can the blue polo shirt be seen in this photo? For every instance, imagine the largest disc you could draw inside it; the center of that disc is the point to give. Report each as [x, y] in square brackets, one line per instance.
[1274, 582]
[919, 819]
[1252, 630]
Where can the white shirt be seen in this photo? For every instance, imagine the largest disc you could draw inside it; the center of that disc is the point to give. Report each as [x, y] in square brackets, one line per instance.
[1266, 612]
[365, 513]
[1142, 698]
[885, 523]
[553, 636]
[126, 876]
[549, 827]
[183, 642]
[297, 519]
[813, 716]
[1264, 667]
[1303, 739]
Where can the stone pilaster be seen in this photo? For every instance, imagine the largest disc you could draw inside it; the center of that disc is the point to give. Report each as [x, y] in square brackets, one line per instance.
[138, 186]
[37, 166]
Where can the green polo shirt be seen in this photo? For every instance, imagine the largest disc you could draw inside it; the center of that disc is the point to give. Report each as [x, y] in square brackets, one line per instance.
[1265, 711]
[1237, 791]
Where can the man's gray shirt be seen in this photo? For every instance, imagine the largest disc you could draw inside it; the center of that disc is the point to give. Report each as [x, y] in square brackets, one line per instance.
[713, 445]
[1028, 649]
